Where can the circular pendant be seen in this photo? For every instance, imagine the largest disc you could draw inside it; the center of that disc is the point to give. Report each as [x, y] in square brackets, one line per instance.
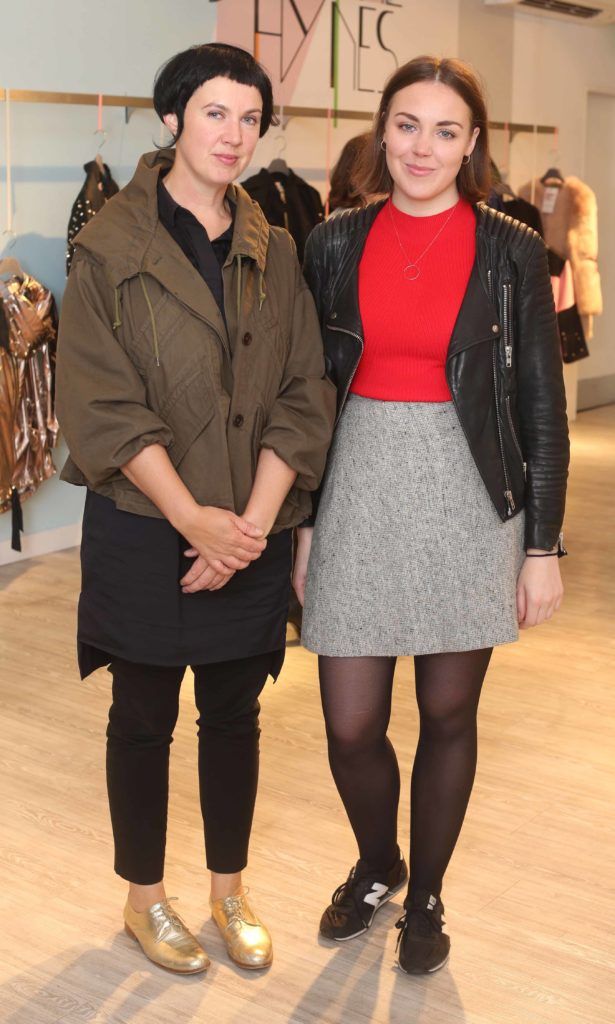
[411, 272]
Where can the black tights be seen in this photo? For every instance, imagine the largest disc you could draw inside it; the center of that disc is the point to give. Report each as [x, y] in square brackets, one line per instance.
[356, 698]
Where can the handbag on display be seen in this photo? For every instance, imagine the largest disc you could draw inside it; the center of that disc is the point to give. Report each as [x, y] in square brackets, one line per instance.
[572, 335]
[571, 332]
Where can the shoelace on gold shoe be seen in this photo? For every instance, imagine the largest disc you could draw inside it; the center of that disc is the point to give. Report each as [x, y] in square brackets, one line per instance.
[235, 908]
[167, 919]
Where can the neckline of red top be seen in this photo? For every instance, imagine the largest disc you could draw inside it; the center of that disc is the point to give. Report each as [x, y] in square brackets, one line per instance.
[403, 219]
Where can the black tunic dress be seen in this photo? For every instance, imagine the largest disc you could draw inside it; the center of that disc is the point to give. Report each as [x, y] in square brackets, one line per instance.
[131, 604]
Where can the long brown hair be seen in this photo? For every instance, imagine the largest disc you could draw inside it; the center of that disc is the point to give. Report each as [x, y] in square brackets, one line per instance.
[344, 191]
[474, 178]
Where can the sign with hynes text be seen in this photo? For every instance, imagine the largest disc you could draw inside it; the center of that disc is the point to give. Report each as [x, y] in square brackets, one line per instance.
[334, 52]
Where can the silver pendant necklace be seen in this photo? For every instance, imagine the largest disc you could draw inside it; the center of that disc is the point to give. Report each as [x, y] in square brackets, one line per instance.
[411, 269]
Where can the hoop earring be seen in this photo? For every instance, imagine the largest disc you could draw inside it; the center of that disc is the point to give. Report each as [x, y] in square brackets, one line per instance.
[383, 145]
[466, 160]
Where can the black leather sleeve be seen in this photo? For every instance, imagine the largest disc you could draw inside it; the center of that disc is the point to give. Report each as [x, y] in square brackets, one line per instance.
[541, 403]
[312, 272]
[313, 269]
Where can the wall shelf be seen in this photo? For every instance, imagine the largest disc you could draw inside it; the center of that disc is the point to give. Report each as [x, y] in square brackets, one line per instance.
[130, 103]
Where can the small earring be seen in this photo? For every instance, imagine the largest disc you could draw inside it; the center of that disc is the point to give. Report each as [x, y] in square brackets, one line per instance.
[466, 160]
[383, 144]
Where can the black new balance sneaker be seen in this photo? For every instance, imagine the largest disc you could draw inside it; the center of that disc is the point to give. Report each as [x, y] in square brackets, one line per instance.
[422, 945]
[354, 903]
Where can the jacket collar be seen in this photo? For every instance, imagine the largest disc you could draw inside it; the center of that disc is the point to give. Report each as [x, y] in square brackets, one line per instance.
[354, 224]
[127, 228]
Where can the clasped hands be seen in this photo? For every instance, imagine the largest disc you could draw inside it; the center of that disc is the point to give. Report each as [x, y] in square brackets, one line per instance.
[222, 543]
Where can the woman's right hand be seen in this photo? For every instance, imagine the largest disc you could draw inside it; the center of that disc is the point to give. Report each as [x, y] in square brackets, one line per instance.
[226, 541]
[302, 557]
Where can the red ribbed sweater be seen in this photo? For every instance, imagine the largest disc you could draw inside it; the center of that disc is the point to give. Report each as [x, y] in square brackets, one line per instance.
[407, 325]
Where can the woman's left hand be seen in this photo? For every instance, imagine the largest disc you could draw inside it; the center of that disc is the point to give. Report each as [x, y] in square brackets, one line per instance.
[539, 591]
[201, 576]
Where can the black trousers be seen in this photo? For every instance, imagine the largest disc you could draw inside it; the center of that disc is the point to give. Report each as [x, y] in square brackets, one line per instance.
[140, 732]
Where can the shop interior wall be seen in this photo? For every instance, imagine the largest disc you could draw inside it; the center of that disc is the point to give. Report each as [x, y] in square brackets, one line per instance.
[557, 67]
[534, 70]
[78, 46]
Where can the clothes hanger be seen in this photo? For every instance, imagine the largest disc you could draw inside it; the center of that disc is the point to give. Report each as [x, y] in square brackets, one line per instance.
[554, 176]
[100, 131]
[500, 186]
[9, 265]
[278, 165]
[98, 158]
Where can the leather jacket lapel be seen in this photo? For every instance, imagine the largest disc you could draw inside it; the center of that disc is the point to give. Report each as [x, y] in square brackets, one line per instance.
[477, 320]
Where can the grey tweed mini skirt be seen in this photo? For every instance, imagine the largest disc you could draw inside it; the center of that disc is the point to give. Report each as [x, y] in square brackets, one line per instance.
[409, 556]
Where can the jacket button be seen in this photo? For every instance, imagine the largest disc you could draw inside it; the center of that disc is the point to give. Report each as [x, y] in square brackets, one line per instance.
[238, 421]
[495, 329]
[247, 338]
[334, 316]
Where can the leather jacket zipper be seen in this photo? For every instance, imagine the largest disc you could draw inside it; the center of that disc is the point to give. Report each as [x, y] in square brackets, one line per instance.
[343, 330]
[506, 314]
[510, 501]
[514, 436]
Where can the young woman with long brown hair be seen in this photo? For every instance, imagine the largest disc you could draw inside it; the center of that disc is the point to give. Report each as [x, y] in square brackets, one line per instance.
[438, 527]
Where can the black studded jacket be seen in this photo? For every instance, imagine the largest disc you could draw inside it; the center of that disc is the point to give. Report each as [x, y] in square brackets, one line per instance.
[97, 188]
[503, 366]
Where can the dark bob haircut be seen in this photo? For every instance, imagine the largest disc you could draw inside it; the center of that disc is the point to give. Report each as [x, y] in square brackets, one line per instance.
[186, 72]
[474, 178]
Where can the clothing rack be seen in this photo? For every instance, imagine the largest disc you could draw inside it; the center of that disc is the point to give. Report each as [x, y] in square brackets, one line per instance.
[130, 103]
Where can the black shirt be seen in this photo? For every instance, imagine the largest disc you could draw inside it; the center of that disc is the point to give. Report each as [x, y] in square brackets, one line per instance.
[208, 257]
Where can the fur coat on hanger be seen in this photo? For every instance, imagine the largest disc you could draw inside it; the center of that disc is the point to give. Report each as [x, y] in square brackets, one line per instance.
[571, 230]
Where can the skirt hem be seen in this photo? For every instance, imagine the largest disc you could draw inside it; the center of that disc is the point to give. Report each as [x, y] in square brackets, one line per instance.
[457, 648]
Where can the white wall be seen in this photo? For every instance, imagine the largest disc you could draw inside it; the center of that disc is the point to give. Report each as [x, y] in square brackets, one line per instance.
[556, 66]
[79, 46]
[599, 371]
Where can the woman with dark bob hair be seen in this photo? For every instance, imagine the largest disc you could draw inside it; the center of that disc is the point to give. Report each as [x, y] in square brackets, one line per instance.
[191, 393]
[438, 529]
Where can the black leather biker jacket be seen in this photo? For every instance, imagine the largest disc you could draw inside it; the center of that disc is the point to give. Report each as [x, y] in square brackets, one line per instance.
[503, 366]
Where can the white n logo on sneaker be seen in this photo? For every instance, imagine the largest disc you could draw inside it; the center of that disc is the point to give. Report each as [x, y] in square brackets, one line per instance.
[378, 891]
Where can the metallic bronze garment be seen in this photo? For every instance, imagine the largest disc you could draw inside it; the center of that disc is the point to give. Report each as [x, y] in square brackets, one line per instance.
[9, 391]
[28, 426]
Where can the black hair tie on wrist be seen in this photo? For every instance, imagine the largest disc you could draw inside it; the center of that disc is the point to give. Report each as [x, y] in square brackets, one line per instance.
[559, 552]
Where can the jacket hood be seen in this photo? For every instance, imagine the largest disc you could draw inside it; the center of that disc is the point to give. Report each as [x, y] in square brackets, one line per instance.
[121, 234]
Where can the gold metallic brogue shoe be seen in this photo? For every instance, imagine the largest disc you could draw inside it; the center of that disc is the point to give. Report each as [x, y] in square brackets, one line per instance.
[247, 941]
[164, 938]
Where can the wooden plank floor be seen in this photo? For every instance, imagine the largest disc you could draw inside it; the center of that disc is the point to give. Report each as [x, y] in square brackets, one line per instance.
[530, 894]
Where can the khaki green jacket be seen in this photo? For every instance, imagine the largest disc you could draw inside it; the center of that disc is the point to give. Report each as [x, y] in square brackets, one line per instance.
[144, 357]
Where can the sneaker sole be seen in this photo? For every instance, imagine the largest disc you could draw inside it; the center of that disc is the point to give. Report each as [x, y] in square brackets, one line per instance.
[346, 938]
[431, 970]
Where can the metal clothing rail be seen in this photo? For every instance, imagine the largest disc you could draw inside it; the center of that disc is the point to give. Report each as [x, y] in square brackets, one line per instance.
[130, 103]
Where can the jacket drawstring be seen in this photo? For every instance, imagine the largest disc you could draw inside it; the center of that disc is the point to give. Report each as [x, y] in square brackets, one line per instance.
[262, 295]
[152, 318]
[118, 314]
[238, 286]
